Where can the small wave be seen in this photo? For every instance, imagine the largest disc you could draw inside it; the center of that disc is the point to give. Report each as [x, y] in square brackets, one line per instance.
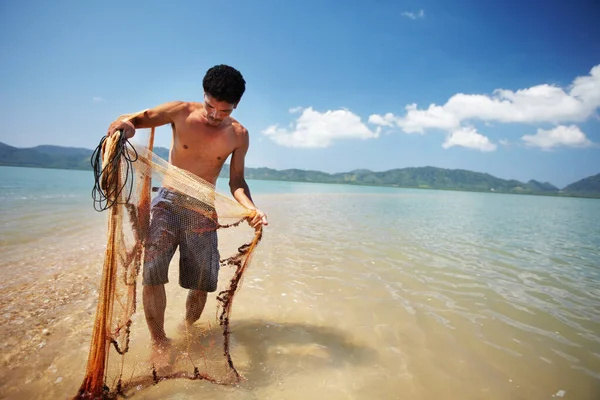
[532, 329]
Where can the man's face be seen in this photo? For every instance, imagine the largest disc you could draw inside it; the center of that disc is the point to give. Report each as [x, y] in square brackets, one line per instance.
[216, 111]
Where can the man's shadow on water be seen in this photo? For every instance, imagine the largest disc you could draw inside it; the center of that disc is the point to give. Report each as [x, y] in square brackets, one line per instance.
[262, 351]
[275, 350]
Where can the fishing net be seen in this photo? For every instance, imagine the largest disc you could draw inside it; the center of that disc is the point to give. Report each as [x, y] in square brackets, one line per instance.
[155, 209]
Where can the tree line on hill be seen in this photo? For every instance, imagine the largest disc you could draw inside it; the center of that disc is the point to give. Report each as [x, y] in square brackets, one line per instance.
[48, 156]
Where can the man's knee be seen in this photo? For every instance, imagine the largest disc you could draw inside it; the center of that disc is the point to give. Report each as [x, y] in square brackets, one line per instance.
[153, 288]
[198, 294]
[153, 294]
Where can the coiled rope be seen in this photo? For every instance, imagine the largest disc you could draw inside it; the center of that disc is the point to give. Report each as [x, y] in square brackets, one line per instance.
[107, 190]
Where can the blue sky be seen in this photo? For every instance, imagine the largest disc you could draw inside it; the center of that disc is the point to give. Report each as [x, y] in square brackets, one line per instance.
[507, 88]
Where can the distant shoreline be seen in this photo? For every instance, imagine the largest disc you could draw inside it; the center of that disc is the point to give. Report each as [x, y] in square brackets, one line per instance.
[224, 175]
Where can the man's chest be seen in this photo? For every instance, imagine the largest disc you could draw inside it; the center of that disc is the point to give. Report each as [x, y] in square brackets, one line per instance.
[199, 142]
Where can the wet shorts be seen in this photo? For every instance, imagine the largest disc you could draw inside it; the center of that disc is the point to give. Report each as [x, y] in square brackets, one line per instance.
[175, 221]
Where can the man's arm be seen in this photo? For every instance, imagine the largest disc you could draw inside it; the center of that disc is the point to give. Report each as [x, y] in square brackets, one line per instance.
[157, 116]
[237, 182]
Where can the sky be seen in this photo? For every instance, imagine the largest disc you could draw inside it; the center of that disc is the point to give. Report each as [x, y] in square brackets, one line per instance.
[509, 88]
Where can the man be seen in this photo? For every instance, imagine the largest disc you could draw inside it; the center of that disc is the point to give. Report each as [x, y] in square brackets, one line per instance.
[204, 136]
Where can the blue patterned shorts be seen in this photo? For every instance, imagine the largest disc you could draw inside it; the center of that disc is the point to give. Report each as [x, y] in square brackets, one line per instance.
[174, 222]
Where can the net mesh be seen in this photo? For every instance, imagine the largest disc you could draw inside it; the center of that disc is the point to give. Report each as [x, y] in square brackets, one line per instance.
[164, 225]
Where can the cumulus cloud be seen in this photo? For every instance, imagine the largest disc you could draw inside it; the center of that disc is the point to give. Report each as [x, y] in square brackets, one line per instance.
[417, 121]
[541, 103]
[317, 129]
[412, 15]
[383, 120]
[538, 104]
[568, 136]
[469, 137]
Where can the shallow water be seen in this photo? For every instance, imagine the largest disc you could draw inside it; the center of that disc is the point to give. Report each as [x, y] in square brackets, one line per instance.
[354, 293]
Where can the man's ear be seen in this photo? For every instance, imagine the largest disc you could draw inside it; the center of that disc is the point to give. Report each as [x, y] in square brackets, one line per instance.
[235, 106]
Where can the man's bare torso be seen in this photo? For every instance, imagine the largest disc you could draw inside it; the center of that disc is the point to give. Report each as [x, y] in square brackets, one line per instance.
[201, 148]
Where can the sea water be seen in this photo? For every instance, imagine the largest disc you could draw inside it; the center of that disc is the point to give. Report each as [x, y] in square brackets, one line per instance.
[354, 293]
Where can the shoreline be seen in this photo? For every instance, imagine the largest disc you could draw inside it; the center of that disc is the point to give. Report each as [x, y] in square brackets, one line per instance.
[450, 189]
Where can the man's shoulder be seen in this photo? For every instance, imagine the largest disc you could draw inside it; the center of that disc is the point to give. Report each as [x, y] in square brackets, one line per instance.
[178, 108]
[238, 128]
[240, 133]
[191, 106]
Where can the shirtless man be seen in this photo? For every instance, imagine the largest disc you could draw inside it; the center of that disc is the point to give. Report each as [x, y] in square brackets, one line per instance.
[204, 135]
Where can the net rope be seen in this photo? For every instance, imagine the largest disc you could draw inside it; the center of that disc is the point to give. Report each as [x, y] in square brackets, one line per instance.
[126, 177]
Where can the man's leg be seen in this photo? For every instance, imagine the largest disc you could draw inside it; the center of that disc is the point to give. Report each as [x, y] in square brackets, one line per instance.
[199, 263]
[194, 305]
[155, 303]
[160, 246]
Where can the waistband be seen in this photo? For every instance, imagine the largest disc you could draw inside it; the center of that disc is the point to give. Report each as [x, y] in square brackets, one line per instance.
[180, 198]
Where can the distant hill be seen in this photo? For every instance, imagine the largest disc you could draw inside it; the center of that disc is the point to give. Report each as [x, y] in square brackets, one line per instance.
[47, 156]
[588, 187]
[415, 177]
[541, 187]
[161, 152]
[421, 177]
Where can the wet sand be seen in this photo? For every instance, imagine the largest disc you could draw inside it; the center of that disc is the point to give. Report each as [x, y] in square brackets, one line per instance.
[329, 309]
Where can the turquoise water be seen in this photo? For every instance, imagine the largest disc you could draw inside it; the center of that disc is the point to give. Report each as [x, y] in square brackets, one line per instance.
[35, 201]
[456, 295]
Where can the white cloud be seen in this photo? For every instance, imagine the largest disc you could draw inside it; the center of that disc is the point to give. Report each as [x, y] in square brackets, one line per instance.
[386, 120]
[411, 15]
[295, 110]
[569, 136]
[538, 104]
[435, 117]
[541, 103]
[469, 137]
[316, 129]
[97, 99]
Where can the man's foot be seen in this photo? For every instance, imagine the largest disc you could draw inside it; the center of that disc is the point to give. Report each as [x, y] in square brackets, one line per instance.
[161, 355]
[163, 343]
[191, 330]
[188, 330]
[185, 326]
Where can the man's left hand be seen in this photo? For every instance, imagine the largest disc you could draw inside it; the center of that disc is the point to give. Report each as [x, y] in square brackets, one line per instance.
[259, 218]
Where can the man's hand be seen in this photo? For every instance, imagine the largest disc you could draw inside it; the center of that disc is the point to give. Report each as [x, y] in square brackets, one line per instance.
[259, 218]
[126, 126]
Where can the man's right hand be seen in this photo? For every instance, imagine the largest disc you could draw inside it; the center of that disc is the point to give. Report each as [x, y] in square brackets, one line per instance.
[126, 126]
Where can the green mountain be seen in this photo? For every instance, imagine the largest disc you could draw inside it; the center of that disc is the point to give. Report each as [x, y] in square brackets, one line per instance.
[417, 177]
[541, 187]
[47, 156]
[41, 158]
[588, 187]
[421, 177]
[161, 152]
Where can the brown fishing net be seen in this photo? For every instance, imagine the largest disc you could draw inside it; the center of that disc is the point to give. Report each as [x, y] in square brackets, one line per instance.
[158, 215]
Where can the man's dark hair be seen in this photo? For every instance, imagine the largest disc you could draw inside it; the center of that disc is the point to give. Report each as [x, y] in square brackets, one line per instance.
[224, 83]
